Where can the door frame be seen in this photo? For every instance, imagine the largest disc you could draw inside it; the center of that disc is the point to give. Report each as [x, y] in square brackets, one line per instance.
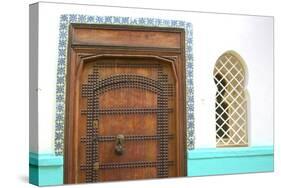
[78, 51]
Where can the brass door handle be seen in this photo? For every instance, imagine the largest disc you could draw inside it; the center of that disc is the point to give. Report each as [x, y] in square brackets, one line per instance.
[119, 144]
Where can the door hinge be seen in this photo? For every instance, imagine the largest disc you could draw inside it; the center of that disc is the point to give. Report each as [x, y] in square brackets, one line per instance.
[96, 166]
[95, 124]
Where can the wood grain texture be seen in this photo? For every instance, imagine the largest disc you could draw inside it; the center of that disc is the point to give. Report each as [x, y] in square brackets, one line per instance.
[131, 107]
[125, 37]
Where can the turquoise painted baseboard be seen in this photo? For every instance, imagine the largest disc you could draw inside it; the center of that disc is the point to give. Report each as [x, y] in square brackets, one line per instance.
[45, 169]
[216, 161]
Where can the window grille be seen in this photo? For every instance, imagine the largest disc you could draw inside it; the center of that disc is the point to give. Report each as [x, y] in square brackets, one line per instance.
[231, 102]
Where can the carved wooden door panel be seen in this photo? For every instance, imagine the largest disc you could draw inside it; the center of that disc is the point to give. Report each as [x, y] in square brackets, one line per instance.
[123, 113]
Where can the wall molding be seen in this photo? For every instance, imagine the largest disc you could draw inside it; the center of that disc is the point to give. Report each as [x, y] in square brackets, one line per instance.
[218, 161]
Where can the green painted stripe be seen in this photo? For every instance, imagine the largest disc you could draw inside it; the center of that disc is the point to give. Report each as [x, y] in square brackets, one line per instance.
[218, 161]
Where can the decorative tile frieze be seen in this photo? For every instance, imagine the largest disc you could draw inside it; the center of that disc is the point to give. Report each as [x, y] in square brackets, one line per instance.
[67, 19]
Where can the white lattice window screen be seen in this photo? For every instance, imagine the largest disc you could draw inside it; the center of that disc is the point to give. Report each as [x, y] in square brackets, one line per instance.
[231, 102]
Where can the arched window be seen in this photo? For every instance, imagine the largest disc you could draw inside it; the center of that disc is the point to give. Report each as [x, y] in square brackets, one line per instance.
[231, 101]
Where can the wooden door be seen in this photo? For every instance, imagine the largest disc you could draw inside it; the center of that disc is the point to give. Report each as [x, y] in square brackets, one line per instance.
[125, 115]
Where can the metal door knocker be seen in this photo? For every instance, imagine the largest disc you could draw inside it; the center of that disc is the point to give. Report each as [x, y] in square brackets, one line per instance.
[119, 144]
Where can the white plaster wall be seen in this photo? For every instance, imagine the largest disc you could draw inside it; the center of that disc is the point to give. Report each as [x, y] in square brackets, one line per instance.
[250, 36]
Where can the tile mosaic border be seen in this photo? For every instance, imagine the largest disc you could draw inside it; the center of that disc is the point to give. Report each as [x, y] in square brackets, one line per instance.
[66, 19]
